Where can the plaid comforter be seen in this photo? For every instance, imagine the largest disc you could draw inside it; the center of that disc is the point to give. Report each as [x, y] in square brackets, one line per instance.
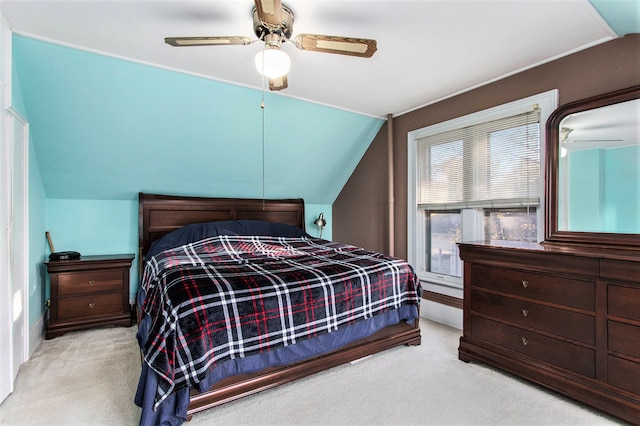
[228, 297]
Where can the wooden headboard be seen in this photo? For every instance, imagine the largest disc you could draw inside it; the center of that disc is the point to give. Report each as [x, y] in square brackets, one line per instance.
[161, 214]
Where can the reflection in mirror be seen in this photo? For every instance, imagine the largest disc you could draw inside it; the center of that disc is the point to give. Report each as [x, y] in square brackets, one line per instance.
[599, 170]
[592, 172]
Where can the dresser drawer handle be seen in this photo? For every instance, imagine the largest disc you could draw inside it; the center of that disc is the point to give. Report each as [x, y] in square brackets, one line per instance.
[525, 283]
[92, 283]
[525, 341]
[92, 305]
[525, 312]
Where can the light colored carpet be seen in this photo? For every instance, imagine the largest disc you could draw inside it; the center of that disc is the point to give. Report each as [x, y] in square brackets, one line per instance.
[89, 378]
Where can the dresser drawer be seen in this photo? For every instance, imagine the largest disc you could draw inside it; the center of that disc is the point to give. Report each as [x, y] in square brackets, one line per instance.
[624, 338]
[563, 354]
[563, 291]
[623, 302]
[564, 323]
[89, 282]
[88, 306]
[622, 270]
[624, 374]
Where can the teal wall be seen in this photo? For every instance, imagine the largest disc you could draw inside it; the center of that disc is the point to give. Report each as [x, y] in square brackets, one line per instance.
[606, 184]
[623, 16]
[103, 129]
[622, 188]
[106, 128]
[37, 244]
[585, 194]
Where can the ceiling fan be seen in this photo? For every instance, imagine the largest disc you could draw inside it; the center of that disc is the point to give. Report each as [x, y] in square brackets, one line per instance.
[566, 131]
[273, 24]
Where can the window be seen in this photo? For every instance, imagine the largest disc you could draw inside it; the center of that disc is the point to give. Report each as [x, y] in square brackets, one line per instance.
[444, 230]
[475, 178]
[510, 224]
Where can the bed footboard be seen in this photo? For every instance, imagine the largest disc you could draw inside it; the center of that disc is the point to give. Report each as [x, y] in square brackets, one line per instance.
[240, 386]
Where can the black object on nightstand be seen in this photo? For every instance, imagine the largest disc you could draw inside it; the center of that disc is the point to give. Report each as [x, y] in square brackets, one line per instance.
[88, 292]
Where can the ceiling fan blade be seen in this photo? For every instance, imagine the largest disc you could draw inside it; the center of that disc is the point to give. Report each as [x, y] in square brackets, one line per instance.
[208, 41]
[362, 47]
[278, 83]
[269, 11]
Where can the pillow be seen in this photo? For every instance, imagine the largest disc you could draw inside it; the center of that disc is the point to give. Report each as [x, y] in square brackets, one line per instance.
[260, 227]
[199, 231]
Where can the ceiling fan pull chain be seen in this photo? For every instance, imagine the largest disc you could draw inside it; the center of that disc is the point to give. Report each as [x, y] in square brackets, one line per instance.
[263, 137]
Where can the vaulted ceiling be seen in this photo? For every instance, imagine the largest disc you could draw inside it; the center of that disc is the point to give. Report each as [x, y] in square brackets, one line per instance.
[427, 50]
[114, 110]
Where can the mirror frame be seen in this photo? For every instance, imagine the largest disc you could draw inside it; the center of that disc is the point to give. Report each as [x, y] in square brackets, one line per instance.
[552, 234]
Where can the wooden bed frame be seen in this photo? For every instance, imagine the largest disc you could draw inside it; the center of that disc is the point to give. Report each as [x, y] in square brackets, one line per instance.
[160, 214]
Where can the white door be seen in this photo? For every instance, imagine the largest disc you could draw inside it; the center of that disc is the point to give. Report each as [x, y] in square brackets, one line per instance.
[13, 257]
[18, 246]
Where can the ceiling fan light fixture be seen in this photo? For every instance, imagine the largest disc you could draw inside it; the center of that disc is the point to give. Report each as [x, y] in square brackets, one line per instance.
[563, 152]
[273, 63]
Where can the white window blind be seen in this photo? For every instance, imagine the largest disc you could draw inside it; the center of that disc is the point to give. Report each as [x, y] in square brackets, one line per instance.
[492, 164]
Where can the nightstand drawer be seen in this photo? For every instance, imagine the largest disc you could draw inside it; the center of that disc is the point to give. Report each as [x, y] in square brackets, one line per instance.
[572, 325]
[564, 291]
[89, 282]
[89, 306]
[89, 292]
[563, 354]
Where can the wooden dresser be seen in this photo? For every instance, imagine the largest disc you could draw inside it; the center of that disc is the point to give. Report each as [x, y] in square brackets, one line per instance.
[564, 317]
[88, 292]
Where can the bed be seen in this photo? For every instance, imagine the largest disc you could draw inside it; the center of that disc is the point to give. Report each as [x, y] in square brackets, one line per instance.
[215, 230]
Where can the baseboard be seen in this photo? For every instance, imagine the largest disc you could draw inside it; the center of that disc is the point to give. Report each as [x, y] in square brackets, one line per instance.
[442, 309]
[36, 335]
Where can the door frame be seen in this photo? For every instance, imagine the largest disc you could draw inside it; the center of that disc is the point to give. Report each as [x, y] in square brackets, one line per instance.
[6, 165]
[6, 325]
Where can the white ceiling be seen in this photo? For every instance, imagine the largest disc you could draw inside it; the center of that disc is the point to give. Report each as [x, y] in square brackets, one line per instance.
[427, 50]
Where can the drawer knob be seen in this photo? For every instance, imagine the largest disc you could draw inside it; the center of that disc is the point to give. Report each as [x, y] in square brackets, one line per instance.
[525, 283]
[525, 312]
[92, 305]
[92, 283]
[525, 341]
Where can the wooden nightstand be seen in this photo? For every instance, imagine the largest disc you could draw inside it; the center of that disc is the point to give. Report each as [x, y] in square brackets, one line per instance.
[89, 292]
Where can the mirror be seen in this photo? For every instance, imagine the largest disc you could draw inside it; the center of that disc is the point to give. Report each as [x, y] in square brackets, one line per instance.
[593, 171]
